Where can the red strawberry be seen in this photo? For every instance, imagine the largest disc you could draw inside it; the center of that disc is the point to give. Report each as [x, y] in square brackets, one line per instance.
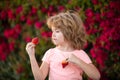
[35, 40]
[64, 63]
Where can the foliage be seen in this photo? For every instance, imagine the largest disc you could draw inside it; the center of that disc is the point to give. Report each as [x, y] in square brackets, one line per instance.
[21, 20]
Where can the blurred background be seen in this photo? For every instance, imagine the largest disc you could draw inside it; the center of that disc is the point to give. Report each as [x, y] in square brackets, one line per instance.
[21, 20]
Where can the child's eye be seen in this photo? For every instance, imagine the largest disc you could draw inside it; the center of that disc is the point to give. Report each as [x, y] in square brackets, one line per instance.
[57, 31]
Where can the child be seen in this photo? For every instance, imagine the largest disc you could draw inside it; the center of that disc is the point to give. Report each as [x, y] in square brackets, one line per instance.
[68, 35]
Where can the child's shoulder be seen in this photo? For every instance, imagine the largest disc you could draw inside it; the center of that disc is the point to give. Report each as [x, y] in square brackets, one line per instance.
[80, 51]
[49, 52]
[50, 49]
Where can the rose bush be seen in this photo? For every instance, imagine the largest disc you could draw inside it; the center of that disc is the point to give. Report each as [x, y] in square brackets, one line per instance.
[21, 20]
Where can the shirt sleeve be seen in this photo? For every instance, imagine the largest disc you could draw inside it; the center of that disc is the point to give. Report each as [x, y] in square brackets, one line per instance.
[83, 56]
[46, 56]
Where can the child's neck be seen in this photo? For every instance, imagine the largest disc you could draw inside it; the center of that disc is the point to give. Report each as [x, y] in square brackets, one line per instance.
[65, 48]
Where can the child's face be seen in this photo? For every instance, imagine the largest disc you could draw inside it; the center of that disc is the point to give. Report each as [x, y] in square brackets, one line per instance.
[57, 36]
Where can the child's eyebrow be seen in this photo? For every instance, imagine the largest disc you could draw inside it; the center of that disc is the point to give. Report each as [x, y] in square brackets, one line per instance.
[56, 29]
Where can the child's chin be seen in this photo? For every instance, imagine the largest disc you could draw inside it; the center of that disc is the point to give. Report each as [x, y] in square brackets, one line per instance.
[55, 43]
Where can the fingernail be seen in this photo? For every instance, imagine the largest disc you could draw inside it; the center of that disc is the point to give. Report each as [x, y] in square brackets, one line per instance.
[67, 58]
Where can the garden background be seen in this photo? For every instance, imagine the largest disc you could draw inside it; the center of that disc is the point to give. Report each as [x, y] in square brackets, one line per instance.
[21, 20]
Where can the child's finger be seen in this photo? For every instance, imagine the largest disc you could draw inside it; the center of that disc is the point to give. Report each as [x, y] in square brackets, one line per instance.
[30, 45]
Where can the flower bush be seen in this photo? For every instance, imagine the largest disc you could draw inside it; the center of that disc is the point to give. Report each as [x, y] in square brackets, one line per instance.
[21, 20]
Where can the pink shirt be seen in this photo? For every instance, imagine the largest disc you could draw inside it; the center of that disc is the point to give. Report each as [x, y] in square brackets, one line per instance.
[54, 57]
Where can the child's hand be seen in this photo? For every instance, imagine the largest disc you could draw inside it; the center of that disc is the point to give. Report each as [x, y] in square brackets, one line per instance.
[30, 48]
[73, 58]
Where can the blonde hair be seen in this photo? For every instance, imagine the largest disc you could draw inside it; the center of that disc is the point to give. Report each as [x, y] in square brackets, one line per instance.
[71, 26]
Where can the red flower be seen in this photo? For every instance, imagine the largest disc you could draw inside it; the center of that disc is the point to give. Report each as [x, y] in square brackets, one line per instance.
[19, 9]
[8, 33]
[3, 14]
[93, 54]
[4, 50]
[90, 21]
[28, 39]
[13, 33]
[17, 28]
[115, 5]
[38, 24]
[115, 33]
[61, 8]
[105, 36]
[110, 14]
[98, 17]
[105, 25]
[22, 18]
[95, 2]
[2, 56]
[89, 12]
[11, 14]
[11, 46]
[44, 10]
[34, 10]
[51, 8]
[29, 21]
[92, 31]
[100, 56]
[46, 34]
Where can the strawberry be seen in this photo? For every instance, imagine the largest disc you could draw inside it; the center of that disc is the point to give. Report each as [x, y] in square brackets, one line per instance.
[64, 63]
[35, 40]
